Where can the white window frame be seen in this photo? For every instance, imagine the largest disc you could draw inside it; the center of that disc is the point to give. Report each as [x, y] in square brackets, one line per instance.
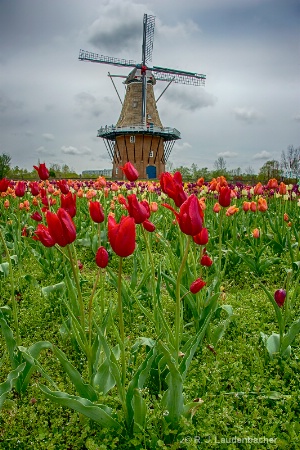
[132, 139]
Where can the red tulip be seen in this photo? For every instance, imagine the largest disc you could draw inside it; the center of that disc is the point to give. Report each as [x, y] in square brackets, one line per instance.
[140, 211]
[63, 186]
[224, 196]
[42, 171]
[190, 216]
[42, 234]
[36, 216]
[122, 236]
[202, 237]
[172, 186]
[34, 188]
[130, 171]
[149, 226]
[4, 183]
[205, 259]
[101, 257]
[20, 188]
[61, 227]
[96, 212]
[68, 203]
[279, 297]
[197, 285]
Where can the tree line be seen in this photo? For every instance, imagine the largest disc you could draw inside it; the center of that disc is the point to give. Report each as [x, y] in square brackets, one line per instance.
[288, 168]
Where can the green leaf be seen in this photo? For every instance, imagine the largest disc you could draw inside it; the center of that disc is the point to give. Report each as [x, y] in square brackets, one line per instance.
[136, 407]
[4, 268]
[273, 344]
[193, 343]
[100, 414]
[112, 362]
[9, 340]
[7, 386]
[290, 335]
[172, 399]
[84, 390]
[95, 243]
[104, 379]
[140, 410]
[30, 355]
[59, 287]
[217, 333]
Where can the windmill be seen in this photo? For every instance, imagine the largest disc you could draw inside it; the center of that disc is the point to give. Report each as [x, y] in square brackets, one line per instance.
[139, 136]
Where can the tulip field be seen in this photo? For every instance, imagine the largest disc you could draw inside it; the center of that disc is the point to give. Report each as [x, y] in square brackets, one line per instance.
[149, 314]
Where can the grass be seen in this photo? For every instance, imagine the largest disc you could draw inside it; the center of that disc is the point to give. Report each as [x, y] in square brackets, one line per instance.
[245, 396]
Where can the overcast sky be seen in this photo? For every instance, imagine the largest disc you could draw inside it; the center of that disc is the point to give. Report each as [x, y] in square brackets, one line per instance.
[52, 104]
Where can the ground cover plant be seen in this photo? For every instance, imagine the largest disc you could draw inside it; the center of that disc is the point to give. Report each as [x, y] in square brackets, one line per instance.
[149, 314]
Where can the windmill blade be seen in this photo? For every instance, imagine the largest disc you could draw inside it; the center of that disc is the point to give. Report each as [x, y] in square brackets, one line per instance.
[147, 46]
[178, 76]
[94, 57]
[148, 37]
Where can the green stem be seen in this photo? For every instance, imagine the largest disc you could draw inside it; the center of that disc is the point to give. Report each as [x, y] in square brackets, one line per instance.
[90, 311]
[121, 325]
[12, 289]
[99, 234]
[75, 271]
[220, 239]
[178, 315]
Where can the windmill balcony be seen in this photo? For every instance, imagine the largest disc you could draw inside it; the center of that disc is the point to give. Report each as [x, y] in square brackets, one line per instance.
[111, 132]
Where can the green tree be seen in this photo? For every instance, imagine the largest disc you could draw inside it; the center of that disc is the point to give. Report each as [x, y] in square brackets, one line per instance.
[185, 172]
[4, 165]
[271, 169]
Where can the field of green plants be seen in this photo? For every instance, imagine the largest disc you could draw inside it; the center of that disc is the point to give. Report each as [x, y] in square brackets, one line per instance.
[149, 314]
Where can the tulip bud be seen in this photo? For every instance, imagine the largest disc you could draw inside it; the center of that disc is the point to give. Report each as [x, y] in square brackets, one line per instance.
[279, 297]
[256, 233]
[197, 285]
[101, 257]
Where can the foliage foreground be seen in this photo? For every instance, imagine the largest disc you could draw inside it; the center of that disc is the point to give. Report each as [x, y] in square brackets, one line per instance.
[144, 315]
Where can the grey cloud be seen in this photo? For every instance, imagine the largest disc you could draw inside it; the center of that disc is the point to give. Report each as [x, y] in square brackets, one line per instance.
[48, 136]
[191, 101]
[8, 105]
[87, 104]
[75, 151]
[262, 155]
[109, 33]
[228, 154]
[248, 115]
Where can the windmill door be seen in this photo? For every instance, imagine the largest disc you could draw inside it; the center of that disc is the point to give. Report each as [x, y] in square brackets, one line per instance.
[151, 171]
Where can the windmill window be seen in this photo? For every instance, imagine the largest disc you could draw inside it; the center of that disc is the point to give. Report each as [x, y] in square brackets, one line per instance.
[151, 154]
[134, 104]
[116, 171]
[132, 139]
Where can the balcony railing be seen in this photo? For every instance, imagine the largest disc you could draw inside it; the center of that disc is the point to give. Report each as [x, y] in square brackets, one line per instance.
[111, 131]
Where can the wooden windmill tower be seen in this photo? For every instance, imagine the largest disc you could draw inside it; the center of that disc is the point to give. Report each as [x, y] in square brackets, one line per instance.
[139, 136]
